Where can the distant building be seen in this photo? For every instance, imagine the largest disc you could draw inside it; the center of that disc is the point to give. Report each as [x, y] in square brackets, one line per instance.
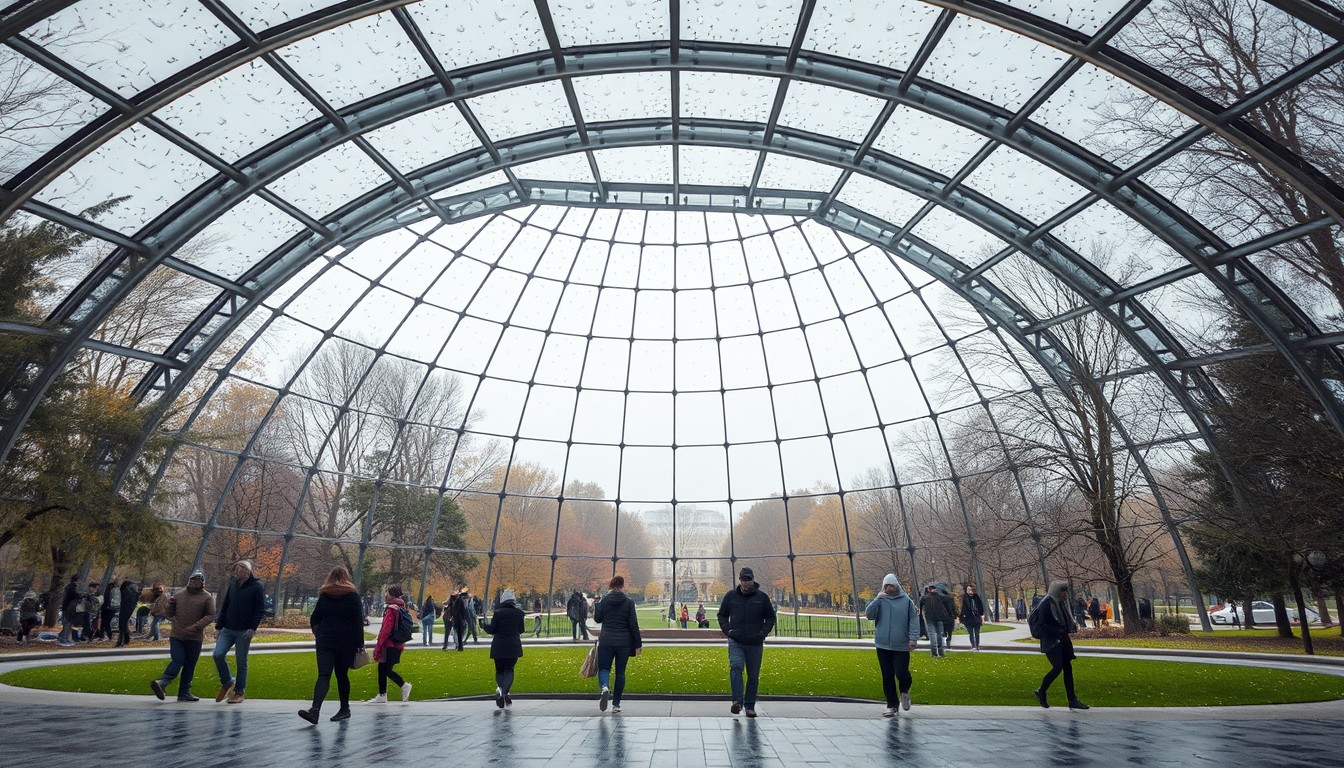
[701, 537]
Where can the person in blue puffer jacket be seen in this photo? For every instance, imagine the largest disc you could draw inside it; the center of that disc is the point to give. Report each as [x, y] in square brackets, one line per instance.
[896, 633]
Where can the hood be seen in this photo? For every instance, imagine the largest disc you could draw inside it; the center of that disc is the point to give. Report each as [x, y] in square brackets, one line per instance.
[891, 579]
[338, 590]
[507, 596]
[397, 601]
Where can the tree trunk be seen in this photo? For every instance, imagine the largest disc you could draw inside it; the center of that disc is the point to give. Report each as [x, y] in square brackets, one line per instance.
[1281, 616]
[1108, 539]
[1321, 606]
[1247, 612]
[1301, 613]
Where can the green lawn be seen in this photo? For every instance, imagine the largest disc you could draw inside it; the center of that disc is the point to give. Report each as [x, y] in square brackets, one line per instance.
[962, 678]
[1325, 643]
[805, 625]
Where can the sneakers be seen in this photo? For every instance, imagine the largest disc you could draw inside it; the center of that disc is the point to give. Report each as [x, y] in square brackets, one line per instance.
[615, 709]
[224, 691]
[157, 688]
[1040, 697]
[1076, 704]
[602, 701]
[188, 698]
[751, 712]
[343, 714]
[499, 697]
[737, 707]
[405, 691]
[889, 712]
[379, 699]
[236, 698]
[309, 715]
[508, 701]
[905, 701]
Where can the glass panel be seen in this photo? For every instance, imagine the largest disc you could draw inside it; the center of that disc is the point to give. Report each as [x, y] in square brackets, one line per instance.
[958, 237]
[467, 32]
[860, 456]
[932, 142]
[129, 52]
[1298, 269]
[699, 418]
[137, 164]
[1084, 18]
[646, 165]
[701, 474]
[717, 166]
[1122, 247]
[424, 138]
[584, 22]
[791, 173]
[329, 180]
[808, 463]
[895, 206]
[991, 63]
[522, 110]
[767, 23]
[646, 474]
[726, 96]
[570, 168]
[1024, 185]
[40, 110]
[829, 111]
[356, 60]
[831, 349]
[263, 14]
[847, 28]
[897, 392]
[628, 96]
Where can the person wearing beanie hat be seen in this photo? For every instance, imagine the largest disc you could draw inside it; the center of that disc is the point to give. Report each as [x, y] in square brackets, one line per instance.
[506, 648]
[240, 613]
[1056, 624]
[190, 611]
[896, 634]
[746, 617]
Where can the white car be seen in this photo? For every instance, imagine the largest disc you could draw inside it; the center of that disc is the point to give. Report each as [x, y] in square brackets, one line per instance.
[1264, 614]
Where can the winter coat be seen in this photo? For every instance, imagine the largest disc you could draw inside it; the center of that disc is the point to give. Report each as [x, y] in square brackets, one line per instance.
[243, 605]
[429, 610]
[620, 626]
[1094, 610]
[933, 607]
[1056, 628]
[130, 595]
[746, 618]
[895, 622]
[391, 613]
[159, 607]
[972, 610]
[69, 598]
[338, 621]
[112, 599]
[950, 606]
[507, 626]
[191, 612]
[577, 608]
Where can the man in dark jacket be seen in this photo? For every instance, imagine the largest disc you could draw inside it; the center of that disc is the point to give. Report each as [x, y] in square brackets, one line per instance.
[577, 612]
[934, 611]
[69, 600]
[1057, 625]
[746, 616]
[240, 614]
[130, 596]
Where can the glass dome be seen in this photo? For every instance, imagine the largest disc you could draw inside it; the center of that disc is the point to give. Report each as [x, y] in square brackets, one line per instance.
[535, 292]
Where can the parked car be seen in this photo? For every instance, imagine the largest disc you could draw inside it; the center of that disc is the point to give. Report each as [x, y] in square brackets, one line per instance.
[1263, 612]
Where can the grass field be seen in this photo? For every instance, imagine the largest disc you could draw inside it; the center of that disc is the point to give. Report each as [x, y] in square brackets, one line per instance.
[961, 678]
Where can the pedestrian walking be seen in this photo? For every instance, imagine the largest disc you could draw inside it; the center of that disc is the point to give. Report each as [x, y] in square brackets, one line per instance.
[1055, 626]
[429, 613]
[470, 612]
[576, 610]
[158, 610]
[896, 634]
[240, 613]
[506, 648]
[618, 641]
[950, 608]
[387, 651]
[1094, 611]
[701, 620]
[338, 633]
[972, 615]
[933, 609]
[189, 611]
[685, 616]
[746, 616]
[130, 595]
[457, 609]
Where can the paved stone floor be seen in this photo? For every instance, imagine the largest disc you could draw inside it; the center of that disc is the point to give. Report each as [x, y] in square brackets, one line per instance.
[137, 730]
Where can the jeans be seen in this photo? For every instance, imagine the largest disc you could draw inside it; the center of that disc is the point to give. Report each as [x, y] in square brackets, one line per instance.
[238, 639]
[154, 628]
[606, 654]
[748, 657]
[427, 631]
[183, 655]
[936, 641]
[895, 666]
[504, 674]
[973, 632]
[331, 660]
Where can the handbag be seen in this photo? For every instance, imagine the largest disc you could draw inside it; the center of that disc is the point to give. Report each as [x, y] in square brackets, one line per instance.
[589, 666]
[361, 659]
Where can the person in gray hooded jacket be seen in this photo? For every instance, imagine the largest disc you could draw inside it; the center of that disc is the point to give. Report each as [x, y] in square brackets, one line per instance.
[896, 633]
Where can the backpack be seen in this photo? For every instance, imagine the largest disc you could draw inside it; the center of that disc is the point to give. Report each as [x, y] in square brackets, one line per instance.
[404, 629]
[1036, 620]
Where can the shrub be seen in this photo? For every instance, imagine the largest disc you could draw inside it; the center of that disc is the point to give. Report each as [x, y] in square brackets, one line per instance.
[1173, 624]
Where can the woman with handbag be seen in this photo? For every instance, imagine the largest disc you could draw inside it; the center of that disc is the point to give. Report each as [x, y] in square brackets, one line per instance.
[618, 640]
[506, 648]
[338, 628]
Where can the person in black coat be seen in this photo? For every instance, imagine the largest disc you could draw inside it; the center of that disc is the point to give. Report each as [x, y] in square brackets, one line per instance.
[746, 617]
[618, 640]
[240, 613]
[577, 612]
[506, 648]
[130, 595]
[972, 615]
[338, 631]
[1056, 645]
[1094, 610]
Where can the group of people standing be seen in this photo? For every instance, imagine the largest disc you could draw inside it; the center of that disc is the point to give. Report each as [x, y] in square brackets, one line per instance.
[459, 619]
[90, 615]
